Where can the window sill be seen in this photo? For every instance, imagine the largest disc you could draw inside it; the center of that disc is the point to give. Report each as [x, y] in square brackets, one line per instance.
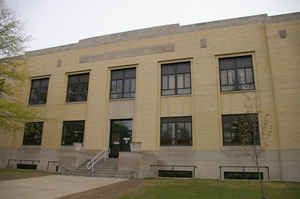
[37, 105]
[170, 96]
[182, 147]
[240, 91]
[30, 147]
[70, 148]
[82, 102]
[238, 148]
[121, 99]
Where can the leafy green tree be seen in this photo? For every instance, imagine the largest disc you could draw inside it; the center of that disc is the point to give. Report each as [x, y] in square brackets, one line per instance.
[13, 112]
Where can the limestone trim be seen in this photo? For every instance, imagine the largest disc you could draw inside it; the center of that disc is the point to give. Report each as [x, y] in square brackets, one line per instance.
[41, 76]
[131, 52]
[78, 72]
[135, 65]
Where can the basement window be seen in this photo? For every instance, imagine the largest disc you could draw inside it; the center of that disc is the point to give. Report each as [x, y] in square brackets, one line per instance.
[175, 173]
[26, 166]
[243, 175]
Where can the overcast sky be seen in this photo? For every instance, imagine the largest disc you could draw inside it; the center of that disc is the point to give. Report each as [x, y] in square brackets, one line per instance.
[57, 22]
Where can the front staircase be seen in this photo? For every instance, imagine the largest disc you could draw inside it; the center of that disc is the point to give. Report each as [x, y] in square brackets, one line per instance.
[104, 168]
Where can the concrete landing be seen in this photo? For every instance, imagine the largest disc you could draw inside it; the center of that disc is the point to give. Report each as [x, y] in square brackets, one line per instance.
[50, 187]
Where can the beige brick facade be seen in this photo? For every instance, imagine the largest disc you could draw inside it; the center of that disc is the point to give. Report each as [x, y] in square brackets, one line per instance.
[272, 41]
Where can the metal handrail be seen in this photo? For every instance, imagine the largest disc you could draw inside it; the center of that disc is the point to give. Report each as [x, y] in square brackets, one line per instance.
[101, 155]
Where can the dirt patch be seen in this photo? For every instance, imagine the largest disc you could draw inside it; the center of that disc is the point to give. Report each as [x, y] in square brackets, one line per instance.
[110, 191]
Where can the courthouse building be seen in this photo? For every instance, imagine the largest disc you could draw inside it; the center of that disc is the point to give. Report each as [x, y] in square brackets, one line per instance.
[167, 101]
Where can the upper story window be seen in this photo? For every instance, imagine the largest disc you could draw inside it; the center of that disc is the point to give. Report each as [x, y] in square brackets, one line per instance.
[123, 83]
[176, 78]
[38, 91]
[33, 133]
[176, 131]
[78, 87]
[73, 132]
[240, 129]
[236, 73]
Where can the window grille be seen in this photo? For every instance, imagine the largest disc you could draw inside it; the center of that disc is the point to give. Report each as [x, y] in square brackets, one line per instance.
[176, 79]
[236, 73]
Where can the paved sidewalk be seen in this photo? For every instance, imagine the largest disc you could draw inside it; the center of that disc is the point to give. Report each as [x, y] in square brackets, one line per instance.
[49, 187]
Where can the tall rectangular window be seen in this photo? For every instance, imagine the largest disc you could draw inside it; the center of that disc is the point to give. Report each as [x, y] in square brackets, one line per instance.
[78, 87]
[123, 83]
[38, 91]
[176, 131]
[240, 129]
[236, 73]
[73, 132]
[176, 78]
[33, 133]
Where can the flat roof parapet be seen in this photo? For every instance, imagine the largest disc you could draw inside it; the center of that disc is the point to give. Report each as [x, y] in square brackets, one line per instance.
[171, 29]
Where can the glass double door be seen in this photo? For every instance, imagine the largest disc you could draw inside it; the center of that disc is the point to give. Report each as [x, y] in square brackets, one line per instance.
[120, 136]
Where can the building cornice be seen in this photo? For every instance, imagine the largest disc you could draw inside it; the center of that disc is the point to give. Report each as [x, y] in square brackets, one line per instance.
[171, 29]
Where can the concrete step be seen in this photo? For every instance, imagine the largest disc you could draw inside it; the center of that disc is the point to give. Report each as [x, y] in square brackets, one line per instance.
[105, 168]
[97, 169]
[101, 173]
[104, 164]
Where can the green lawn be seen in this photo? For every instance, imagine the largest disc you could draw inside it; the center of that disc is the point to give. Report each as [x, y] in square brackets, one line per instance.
[11, 174]
[212, 189]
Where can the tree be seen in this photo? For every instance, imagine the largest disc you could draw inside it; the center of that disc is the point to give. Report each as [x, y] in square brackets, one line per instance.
[13, 113]
[247, 125]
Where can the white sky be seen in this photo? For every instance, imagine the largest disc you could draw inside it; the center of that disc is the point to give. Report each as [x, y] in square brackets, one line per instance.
[57, 22]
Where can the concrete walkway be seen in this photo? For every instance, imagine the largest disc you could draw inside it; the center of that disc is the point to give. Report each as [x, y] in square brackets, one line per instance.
[49, 187]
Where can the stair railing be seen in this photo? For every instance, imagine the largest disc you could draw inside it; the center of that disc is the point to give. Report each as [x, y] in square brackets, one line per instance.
[102, 155]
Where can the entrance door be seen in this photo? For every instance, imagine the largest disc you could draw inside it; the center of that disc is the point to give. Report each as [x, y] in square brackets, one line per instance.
[120, 136]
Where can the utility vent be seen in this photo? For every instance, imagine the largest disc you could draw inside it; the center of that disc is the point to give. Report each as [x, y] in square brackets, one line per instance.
[59, 62]
[203, 43]
[243, 175]
[26, 166]
[282, 34]
[175, 173]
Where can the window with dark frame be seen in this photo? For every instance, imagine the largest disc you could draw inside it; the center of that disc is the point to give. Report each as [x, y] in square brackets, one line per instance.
[176, 131]
[243, 175]
[33, 133]
[176, 78]
[240, 129]
[73, 132]
[38, 91]
[123, 83]
[236, 73]
[78, 85]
